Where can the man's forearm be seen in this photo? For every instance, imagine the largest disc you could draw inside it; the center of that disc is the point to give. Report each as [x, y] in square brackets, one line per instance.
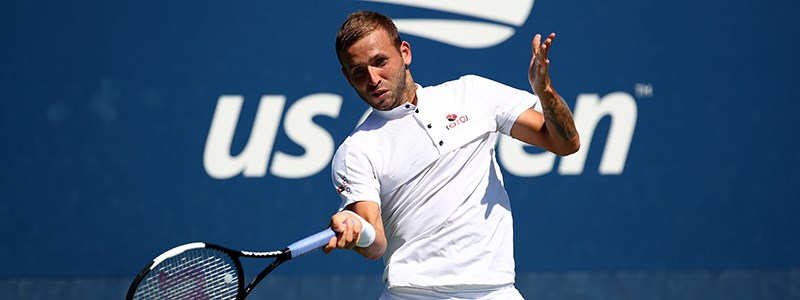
[558, 122]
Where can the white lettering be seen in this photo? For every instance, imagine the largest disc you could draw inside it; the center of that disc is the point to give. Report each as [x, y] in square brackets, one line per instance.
[589, 110]
[316, 141]
[252, 161]
[318, 144]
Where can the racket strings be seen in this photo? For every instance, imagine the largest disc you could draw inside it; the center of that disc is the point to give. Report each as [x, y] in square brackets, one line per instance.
[202, 274]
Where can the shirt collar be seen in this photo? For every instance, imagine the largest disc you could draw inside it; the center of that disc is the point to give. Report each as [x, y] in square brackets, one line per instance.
[400, 111]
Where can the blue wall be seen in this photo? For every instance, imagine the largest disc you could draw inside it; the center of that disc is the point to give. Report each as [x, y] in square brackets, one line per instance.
[107, 108]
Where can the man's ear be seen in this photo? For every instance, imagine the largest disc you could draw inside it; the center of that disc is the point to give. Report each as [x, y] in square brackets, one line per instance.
[405, 51]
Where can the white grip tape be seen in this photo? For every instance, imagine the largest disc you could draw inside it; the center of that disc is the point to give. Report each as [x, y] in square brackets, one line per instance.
[367, 236]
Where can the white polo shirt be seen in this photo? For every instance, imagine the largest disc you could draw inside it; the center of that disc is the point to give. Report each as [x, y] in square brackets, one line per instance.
[432, 170]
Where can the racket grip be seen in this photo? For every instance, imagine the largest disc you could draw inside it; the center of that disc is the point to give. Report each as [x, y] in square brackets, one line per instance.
[311, 243]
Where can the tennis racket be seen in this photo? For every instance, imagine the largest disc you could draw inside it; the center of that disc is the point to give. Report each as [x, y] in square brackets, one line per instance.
[210, 272]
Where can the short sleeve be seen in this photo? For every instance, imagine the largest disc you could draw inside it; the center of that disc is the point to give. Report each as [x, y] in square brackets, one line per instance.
[354, 177]
[507, 103]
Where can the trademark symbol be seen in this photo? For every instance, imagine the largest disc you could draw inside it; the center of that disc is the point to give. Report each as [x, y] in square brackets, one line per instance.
[643, 90]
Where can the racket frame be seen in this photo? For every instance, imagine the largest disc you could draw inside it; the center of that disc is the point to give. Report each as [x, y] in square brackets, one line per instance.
[302, 247]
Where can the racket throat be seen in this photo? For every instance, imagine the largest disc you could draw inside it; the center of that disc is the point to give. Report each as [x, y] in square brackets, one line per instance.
[286, 255]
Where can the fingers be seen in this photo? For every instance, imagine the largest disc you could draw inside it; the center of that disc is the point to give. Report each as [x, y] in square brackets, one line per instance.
[346, 235]
[535, 44]
[540, 49]
[330, 246]
[540, 64]
[348, 231]
[551, 37]
[546, 45]
[543, 51]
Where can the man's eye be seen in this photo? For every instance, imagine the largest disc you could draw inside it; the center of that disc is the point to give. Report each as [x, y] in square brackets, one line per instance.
[382, 61]
[358, 71]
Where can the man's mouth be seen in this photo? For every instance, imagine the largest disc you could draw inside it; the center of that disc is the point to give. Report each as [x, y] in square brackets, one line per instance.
[379, 93]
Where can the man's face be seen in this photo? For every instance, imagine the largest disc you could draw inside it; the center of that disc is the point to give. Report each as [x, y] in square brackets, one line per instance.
[378, 71]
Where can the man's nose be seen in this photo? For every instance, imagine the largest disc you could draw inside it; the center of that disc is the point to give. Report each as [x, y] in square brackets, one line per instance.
[374, 79]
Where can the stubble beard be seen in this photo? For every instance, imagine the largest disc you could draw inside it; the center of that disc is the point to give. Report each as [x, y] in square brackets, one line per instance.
[398, 93]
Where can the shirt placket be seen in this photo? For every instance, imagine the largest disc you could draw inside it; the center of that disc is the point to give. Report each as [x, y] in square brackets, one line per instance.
[434, 129]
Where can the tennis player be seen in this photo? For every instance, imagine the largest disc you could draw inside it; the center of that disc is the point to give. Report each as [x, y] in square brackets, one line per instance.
[419, 181]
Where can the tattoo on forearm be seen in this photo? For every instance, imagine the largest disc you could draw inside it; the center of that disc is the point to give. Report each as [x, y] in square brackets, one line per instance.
[558, 115]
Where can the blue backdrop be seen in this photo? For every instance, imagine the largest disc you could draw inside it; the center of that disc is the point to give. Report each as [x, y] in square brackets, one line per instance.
[107, 110]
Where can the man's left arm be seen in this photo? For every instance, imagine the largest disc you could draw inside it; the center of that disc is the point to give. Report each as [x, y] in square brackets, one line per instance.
[553, 129]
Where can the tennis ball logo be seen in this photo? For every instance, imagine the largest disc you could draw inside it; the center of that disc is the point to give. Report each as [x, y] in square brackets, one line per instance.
[452, 117]
[497, 21]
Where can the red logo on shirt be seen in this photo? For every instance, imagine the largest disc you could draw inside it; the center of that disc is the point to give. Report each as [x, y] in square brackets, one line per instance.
[456, 120]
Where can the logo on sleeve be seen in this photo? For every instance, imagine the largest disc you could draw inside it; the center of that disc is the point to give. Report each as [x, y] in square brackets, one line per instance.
[455, 120]
[345, 187]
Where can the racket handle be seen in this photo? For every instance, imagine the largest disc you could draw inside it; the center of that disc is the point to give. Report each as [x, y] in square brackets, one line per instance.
[311, 243]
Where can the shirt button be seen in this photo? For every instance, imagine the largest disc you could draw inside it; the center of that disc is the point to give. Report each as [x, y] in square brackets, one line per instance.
[441, 143]
[429, 126]
[417, 110]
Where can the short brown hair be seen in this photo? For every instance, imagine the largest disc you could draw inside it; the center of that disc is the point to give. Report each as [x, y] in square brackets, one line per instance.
[360, 24]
